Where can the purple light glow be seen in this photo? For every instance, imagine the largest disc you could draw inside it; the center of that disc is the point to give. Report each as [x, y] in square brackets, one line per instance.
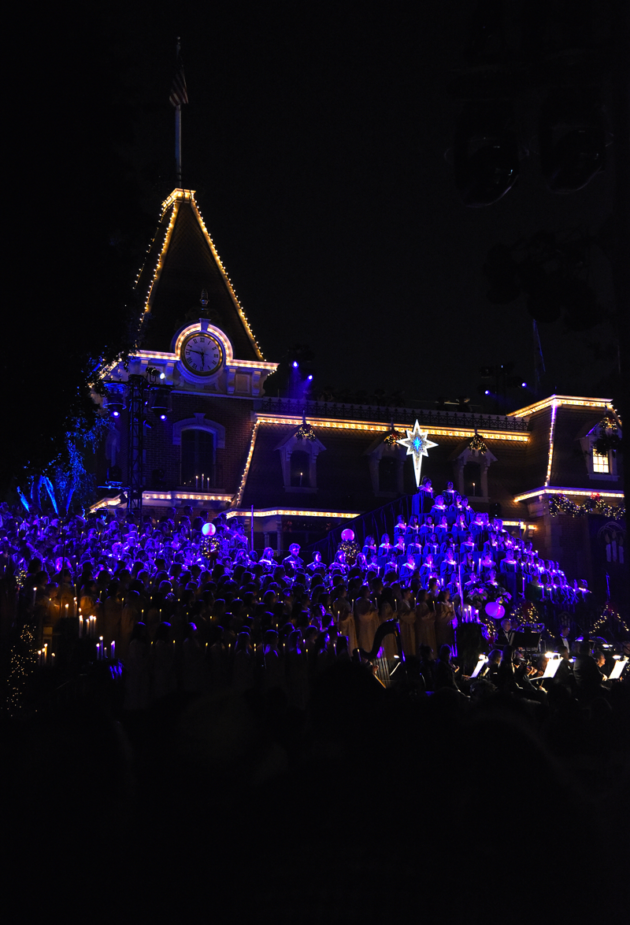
[523, 385]
[162, 417]
[309, 377]
[487, 392]
[295, 364]
[115, 413]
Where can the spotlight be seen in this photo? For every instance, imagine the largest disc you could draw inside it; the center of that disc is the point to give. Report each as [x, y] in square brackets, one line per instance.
[115, 414]
[162, 375]
[487, 392]
[309, 377]
[162, 417]
[295, 364]
[523, 385]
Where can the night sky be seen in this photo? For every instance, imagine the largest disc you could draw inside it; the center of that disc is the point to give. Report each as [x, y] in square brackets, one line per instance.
[316, 138]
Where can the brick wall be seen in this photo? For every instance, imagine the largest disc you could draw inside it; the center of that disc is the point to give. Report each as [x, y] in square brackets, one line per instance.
[160, 453]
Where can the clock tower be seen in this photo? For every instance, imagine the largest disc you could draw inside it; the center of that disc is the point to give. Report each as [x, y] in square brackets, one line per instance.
[198, 367]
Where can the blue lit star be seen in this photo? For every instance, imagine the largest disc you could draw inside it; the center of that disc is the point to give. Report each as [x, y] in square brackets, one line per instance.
[417, 446]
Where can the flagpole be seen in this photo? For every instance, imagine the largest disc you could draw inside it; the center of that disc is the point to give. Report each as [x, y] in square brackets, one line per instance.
[178, 145]
[178, 118]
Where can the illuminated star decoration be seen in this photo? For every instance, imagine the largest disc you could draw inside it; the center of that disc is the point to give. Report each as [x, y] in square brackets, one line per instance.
[417, 446]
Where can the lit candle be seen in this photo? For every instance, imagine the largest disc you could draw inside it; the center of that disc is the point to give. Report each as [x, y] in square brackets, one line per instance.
[112, 650]
[45, 653]
[80, 626]
[34, 594]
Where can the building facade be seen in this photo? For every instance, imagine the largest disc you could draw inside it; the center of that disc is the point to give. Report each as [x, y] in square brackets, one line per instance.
[296, 469]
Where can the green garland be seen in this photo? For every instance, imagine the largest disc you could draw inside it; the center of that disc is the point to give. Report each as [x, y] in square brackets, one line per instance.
[560, 504]
[392, 438]
[477, 445]
[350, 549]
[305, 432]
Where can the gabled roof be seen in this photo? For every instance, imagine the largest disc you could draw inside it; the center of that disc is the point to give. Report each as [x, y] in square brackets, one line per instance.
[182, 261]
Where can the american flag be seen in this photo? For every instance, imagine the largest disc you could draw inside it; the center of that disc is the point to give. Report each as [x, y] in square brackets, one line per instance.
[179, 93]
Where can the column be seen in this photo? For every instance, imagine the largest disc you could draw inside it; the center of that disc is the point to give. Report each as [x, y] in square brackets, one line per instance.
[484, 479]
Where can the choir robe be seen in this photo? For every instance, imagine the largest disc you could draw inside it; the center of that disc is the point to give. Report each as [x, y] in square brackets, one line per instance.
[509, 569]
[367, 623]
[444, 633]
[407, 621]
[458, 531]
[399, 530]
[425, 627]
[390, 649]
[347, 627]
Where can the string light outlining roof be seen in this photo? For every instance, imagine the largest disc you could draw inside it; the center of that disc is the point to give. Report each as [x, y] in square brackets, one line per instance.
[198, 249]
[558, 401]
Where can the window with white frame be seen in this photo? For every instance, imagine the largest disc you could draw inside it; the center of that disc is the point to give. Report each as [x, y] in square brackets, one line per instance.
[601, 463]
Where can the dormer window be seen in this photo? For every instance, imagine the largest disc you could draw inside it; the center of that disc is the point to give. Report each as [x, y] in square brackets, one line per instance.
[298, 458]
[601, 445]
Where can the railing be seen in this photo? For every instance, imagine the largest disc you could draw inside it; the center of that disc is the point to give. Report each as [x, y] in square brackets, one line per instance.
[433, 417]
[372, 523]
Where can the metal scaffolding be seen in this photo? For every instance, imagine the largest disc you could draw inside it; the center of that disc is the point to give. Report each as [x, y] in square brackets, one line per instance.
[136, 396]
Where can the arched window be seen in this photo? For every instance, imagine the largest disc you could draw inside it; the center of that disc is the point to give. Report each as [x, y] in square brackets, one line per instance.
[300, 469]
[472, 480]
[388, 473]
[197, 457]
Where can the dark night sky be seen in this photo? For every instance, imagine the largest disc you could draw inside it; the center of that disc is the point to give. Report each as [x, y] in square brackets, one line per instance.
[315, 138]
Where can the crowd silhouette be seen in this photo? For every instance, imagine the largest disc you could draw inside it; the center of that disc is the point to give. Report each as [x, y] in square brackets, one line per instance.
[309, 740]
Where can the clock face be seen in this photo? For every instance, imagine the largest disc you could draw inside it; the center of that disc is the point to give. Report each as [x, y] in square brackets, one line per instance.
[202, 354]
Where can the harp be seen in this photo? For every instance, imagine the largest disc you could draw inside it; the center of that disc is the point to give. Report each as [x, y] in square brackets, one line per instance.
[385, 668]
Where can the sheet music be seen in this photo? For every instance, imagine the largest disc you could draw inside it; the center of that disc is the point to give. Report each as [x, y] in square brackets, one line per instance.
[478, 667]
[552, 666]
[620, 664]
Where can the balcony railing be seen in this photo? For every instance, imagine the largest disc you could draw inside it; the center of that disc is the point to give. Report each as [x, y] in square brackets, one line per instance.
[434, 417]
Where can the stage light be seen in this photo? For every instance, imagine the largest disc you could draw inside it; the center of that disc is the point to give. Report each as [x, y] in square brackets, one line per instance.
[487, 392]
[160, 400]
[162, 375]
[162, 417]
[115, 414]
[309, 377]
[523, 385]
[295, 364]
